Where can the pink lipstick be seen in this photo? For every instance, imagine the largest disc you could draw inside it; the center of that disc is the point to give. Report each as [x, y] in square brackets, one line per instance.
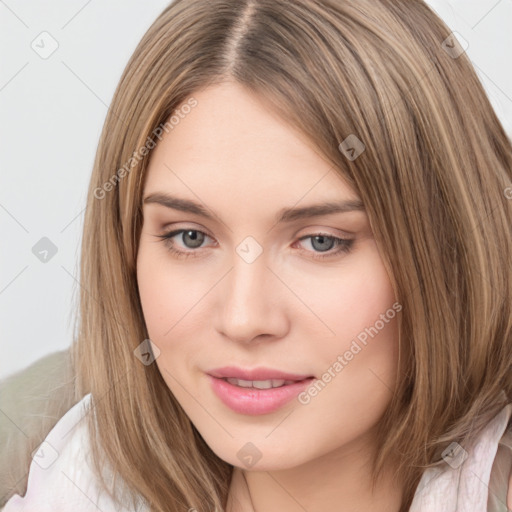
[256, 391]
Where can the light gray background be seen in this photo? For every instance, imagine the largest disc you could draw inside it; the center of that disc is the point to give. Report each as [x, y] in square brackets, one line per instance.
[52, 111]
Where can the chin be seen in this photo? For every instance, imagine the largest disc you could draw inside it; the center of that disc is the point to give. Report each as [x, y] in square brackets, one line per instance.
[257, 456]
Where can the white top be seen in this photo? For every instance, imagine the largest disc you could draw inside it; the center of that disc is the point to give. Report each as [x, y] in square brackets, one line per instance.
[61, 473]
[61, 476]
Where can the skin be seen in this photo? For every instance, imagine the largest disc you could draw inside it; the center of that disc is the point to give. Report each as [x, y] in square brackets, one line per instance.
[286, 310]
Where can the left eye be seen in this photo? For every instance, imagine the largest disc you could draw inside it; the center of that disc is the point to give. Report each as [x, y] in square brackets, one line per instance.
[342, 245]
[193, 239]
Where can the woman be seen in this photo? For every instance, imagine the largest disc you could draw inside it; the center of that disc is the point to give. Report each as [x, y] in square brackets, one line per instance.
[295, 272]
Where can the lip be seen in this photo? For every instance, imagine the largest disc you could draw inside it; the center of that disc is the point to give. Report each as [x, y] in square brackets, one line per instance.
[260, 373]
[252, 401]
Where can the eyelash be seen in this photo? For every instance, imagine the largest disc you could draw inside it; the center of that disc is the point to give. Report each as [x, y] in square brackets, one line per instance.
[343, 245]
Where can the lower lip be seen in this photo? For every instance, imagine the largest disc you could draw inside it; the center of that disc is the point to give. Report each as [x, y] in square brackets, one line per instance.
[256, 401]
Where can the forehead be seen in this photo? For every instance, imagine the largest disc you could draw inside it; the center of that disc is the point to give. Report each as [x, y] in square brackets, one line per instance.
[230, 146]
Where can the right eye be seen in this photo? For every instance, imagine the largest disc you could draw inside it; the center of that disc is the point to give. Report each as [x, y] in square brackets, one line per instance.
[192, 237]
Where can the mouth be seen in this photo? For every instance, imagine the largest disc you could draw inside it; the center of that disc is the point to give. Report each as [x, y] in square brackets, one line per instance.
[257, 396]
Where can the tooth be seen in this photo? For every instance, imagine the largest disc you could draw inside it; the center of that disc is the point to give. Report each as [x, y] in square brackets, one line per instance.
[240, 383]
[243, 383]
[259, 384]
[262, 384]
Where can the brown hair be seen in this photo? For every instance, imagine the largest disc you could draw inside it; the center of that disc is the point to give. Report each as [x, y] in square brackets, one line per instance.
[433, 177]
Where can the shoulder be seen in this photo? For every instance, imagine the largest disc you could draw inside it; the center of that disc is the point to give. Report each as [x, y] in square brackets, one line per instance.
[472, 478]
[500, 485]
[33, 400]
[61, 474]
[509, 490]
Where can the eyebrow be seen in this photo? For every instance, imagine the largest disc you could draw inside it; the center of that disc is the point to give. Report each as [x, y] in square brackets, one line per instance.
[284, 215]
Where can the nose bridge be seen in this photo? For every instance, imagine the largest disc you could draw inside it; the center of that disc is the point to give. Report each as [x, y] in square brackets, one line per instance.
[248, 282]
[248, 307]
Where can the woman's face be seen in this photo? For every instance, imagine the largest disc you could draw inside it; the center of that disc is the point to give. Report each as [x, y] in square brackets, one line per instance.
[305, 295]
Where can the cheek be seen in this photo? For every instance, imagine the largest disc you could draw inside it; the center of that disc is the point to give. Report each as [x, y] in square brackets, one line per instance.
[358, 359]
[164, 297]
[156, 304]
[167, 293]
[175, 308]
[353, 300]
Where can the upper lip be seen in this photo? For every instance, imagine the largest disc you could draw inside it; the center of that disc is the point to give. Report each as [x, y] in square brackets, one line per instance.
[253, 374]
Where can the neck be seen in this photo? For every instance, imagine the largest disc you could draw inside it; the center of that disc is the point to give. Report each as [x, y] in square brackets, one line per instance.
[337, 481]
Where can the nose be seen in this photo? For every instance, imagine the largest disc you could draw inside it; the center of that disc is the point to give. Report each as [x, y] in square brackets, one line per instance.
[252, 303]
